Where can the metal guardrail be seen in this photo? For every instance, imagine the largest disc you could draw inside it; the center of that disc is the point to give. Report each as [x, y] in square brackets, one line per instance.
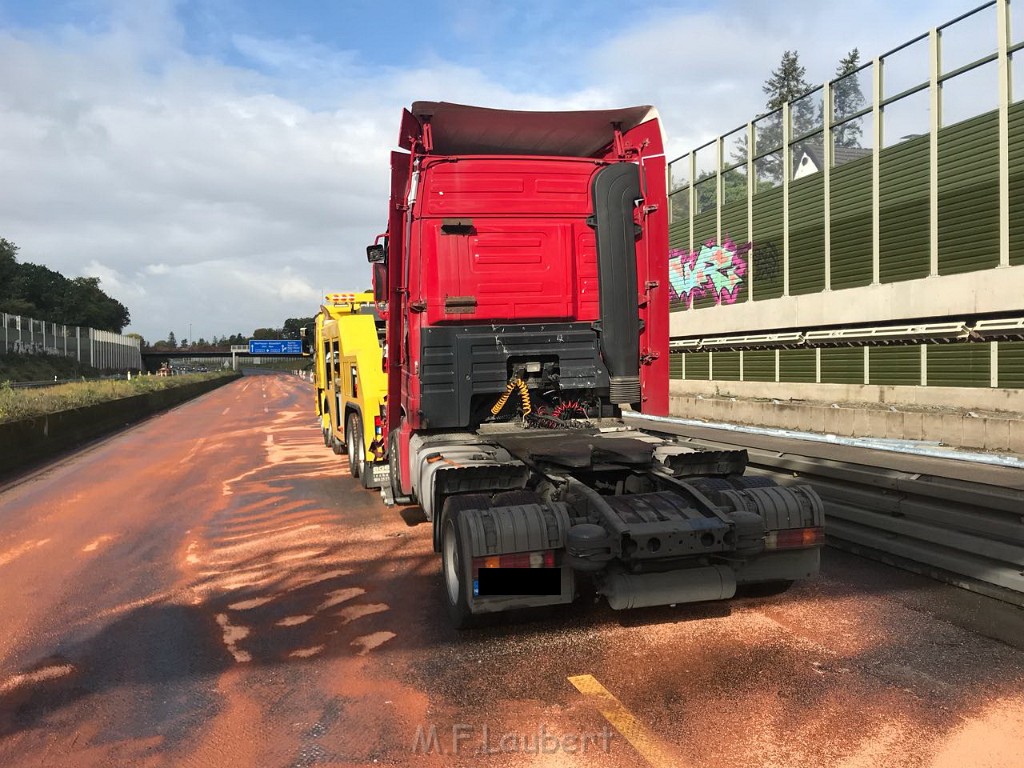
[970, 534]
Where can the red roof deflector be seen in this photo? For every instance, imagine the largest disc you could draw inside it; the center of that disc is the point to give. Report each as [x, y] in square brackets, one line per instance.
[458, 129]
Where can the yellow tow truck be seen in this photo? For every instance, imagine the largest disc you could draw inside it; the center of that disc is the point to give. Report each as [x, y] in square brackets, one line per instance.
[350, 383]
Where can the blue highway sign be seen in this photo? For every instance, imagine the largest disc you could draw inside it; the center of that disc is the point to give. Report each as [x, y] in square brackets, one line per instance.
[275, 346]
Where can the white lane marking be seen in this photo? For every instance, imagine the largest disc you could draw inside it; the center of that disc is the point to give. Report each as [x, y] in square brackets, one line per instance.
[96, 543]
[354, 612]
[369, 642]
[38, 676]
[305, 653]
[28, 546]
[232, 635]
[195, 449]
[247, 605]
[340, 596]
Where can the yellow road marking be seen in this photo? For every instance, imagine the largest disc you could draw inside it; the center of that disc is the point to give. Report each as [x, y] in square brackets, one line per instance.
[643, 741]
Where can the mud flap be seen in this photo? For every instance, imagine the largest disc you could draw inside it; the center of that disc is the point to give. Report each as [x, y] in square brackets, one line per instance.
[516, 530]
[377, 474]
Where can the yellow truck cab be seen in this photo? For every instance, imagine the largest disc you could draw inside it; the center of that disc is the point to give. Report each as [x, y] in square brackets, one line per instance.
[350, 384]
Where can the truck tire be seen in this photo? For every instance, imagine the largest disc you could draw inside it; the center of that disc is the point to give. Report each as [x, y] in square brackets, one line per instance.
[354, 438]
[325, 423]
[396, 483]
[456, 590]
[453, 503]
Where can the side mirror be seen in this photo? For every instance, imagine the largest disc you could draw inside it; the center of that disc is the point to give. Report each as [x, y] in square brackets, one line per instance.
[380, 282]
[376, 253]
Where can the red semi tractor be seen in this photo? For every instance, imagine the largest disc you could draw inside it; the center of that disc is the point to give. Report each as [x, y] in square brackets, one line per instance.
[523, 278]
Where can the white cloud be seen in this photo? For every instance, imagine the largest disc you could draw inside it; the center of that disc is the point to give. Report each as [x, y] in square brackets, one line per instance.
[230, 198]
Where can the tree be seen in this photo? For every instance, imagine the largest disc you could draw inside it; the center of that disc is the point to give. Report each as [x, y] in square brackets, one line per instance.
[86, 304]
[8, 266]
[266, 333]
[785, 84]
[42, 293]
[172, 340]
[734, 188]
[848, 99]
[293, 325]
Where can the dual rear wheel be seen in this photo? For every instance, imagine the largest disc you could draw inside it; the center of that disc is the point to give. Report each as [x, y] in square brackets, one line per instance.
[354, 440]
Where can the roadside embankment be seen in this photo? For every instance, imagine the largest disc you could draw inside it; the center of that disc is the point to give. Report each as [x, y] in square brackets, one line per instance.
[32, 439]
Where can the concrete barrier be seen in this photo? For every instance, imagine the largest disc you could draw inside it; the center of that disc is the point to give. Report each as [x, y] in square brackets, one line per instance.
[28, 441]
[1002, 432]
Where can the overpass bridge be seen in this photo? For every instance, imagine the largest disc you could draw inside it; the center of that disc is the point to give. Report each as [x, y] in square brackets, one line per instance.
[152, 359]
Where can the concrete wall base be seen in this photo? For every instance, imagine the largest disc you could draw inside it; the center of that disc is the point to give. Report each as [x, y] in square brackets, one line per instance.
[953, 427]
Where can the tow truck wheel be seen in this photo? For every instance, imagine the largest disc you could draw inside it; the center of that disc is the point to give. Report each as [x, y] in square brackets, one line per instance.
[456, 594]
[325, 424]
[354, 439]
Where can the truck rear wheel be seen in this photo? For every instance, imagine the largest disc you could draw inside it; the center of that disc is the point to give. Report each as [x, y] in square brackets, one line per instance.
[453, 568]
[356, 455]
[453, 503]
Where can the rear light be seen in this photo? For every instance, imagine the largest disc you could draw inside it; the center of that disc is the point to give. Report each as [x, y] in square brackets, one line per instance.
[515, 560]
[521, 573]
[795, 538]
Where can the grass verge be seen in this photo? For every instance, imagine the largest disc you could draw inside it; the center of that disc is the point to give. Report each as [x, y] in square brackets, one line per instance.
[28, 403]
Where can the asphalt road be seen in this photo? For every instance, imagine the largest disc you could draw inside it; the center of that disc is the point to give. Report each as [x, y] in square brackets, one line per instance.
[210, 588]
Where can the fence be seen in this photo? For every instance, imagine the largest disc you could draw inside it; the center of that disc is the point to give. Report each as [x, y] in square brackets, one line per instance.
[910, 167]
[100, 349]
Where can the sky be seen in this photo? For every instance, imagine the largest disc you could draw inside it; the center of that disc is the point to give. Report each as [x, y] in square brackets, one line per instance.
[220, 164]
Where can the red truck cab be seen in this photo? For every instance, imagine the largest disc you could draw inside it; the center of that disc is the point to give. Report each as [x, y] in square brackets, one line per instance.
[523, 278]
[523, 245]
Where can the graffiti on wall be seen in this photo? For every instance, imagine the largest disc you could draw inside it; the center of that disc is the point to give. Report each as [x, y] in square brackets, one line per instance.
[715, 270]
[766, 262]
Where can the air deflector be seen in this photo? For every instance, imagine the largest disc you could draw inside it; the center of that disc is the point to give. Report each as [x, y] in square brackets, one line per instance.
[616, 191]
